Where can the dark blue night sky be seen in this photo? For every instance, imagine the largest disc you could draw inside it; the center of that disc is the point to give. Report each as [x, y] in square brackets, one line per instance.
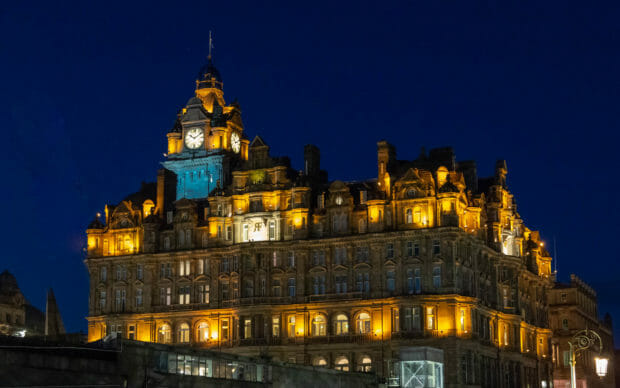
[89, 92]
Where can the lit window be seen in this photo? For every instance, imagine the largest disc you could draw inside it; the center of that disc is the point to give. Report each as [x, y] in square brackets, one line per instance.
[395, 320]
[342, 363]
[319, 326]
[319, 361]
[203, 332]
[363, 323]
[247, 328]
[342, 324]
[224, 330]
[291, 326]
[246, 229]
[164, 334]
[365, 364]
[183, 333]
[275, 326]
[409, 216]
[430, 318]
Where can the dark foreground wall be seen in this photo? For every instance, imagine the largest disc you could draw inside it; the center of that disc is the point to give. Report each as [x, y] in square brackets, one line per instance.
[136, 364]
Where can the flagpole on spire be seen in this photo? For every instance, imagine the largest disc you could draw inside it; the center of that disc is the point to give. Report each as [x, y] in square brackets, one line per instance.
[210, 45]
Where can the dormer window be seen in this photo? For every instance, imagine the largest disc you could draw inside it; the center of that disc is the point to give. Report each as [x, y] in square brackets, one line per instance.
[339, 200]
[411, 193]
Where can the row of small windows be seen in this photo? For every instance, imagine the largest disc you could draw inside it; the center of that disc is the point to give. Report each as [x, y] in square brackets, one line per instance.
[413, 283]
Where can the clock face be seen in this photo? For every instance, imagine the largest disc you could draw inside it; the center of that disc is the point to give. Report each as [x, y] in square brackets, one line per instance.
[235, 143]
[194, 138]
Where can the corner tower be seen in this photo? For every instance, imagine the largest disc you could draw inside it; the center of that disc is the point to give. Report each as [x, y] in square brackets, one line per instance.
[207, 138]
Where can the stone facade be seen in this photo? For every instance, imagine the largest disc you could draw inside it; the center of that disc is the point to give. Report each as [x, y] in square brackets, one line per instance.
[573, 307]
[287, 264]
[17, 316]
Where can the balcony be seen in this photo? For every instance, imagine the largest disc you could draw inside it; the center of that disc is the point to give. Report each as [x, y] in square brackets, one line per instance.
[345, 296]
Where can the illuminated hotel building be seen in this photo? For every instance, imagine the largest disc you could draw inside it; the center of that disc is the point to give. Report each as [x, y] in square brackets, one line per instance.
[233, 249]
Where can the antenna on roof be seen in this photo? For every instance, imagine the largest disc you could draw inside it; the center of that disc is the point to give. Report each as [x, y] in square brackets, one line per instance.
[210, 45]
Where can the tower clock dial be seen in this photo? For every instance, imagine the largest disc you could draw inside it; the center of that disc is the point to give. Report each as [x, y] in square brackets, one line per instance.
[194, 138]
[235, 143]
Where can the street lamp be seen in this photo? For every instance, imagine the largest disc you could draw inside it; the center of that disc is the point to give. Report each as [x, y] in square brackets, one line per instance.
[582, 341]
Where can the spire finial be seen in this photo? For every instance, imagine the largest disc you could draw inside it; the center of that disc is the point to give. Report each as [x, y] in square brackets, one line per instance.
[210, 45]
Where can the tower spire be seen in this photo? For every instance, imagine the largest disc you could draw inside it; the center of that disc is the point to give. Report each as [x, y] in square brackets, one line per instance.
[210, 45]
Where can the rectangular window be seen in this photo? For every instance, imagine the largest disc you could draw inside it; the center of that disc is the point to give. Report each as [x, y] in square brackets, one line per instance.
[362, 255]
[224, 330]
[229, 233]
[410, 248]
[169, 217]
[184, 268]
[389, 251]
[416, 249]
[200, 267]
[291, 287]
[131, 333]
[102, 299]
[410, 283]
[437, 276]
[184, 293]
[395, 320]
[363, 282]
[245, 235]
[272, 230]
[430, 318]
[224, 292]
[247, 328]
[275, 259]
[139, 272]
[275, 288]
[318, 258]
[203, 293]
[318, 282]
[417, 318]
[275, 326]
[341, 284]
[291, 326]
[139, 297]
[418, 280]
[104, 274]
[436, 247]
[291, 259]
[390, 281]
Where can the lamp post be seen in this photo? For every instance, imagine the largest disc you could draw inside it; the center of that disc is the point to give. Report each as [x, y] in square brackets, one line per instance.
[582, 341]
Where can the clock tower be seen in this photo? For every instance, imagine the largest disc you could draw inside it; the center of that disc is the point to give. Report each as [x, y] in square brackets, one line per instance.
[206, 139]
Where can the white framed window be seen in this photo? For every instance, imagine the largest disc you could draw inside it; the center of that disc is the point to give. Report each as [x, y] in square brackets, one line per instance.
[246, 229]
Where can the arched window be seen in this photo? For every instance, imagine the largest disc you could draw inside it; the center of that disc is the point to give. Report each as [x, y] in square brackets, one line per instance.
[365, 364]
[163, 334]
[342, 324]
[319, 361]
[342, 363]
[183, 334]
[203, 332]
[409, 217]
[319, 325]
[363, 323]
